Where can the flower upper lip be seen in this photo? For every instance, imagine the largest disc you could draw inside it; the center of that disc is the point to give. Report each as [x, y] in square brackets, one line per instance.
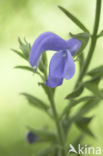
[60, 67]
[46, 41]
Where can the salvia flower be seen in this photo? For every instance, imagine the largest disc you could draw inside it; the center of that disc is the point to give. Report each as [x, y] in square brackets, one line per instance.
[61, 64]
[31, 137]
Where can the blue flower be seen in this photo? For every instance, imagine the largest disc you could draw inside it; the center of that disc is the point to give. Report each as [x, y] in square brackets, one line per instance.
[61, 64]
[31, 137]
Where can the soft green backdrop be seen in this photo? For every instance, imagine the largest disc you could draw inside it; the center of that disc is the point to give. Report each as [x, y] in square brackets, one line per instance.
[29, 18]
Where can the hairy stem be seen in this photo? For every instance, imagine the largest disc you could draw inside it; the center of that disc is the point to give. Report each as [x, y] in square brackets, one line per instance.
[93, 42]
[58, 127]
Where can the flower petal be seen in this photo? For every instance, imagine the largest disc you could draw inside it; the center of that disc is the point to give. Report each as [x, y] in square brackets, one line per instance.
[61, 66]
[31, 137]
[69, 68]
[56, 70]
[46, 41]
[57, 64]
[54, 82]
[74, 45]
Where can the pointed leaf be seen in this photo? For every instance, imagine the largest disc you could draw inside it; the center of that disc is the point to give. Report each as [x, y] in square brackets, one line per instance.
[92, 85]
[74, 19]
[90, 104]
[83, 99]
[34, 101]
[25, 47]
[73, 103]
[19, 53]
[98, 71]
[84, 120]
[79, 120]
[100, 34]
[86, 130]
[25, 68]
[43, 64]
[75, 93]
[83, 124]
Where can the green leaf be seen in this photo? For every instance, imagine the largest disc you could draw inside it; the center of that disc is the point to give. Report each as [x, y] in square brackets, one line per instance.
[84, 120]
[84, 38]
[25, 68]
[83, 124]
[43, 64]
[25, 47]
[90, 104]
[83, 99]
[77, 92]
[74, 19]
[34, 101]
[73, 103]
[92, 85]
[98, 71]
[81, 121]
[44, 59]
[19, 53]
[44, 135]
[42, 68]
[86, 130]
[100, 34]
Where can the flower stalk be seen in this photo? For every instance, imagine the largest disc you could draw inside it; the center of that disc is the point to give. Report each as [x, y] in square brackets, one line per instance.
[93, 42]
[58, 127]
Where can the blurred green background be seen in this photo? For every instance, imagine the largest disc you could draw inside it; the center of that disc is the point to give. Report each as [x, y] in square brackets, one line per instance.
[29, 18]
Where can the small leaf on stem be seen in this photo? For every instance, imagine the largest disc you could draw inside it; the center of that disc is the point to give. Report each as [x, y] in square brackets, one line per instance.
[98, 71]
[34, 101]
[25, 68]
[19, 54]
[74, 19]
[77, 92]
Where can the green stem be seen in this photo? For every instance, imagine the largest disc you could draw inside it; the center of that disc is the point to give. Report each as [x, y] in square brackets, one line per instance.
[58, 127]
[92, 46]
[93, 42]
